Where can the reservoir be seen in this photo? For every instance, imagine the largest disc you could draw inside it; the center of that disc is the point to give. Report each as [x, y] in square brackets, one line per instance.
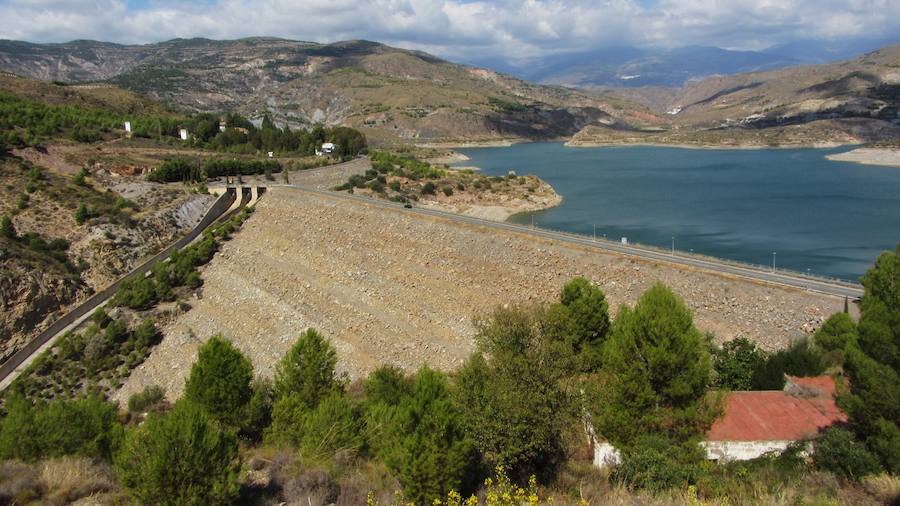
[793, 206]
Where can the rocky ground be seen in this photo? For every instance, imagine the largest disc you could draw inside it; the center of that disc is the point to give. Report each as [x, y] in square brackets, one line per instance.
[35, 289]
[393, 287]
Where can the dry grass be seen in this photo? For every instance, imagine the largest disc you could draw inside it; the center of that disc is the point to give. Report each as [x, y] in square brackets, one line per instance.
[884, 487]
[70, 479]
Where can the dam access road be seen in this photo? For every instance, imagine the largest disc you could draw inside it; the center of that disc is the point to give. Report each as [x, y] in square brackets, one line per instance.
[836, 288]
[406, 287]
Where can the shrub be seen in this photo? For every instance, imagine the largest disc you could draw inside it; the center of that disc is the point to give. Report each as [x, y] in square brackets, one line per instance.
[582, 319]
[183, 457]
[424, 441]
[79, 177]
[428, 188]
[802, 358]
[656, 464]
[86, 427]
[513, 407]
[220, 381]
[448, 191]
[376, 186]
[307, 371]
[838, 452]
[146, 399]
[395, 185]
[7, 229]
[334, 426]
[81, 214]
[837, 332]
[735, 363]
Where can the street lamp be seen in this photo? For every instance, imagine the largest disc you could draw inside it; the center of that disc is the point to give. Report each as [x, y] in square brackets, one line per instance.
[773, 261]
[595, 232]
[673, 245]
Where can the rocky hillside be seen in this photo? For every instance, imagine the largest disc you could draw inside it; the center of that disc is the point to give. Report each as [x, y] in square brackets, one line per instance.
[853, 101]
[393, 93]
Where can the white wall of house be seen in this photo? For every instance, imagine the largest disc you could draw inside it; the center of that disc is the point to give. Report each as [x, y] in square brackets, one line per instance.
[606, 455]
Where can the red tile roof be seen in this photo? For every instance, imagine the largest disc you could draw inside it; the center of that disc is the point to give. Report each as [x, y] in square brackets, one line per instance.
[779, 415]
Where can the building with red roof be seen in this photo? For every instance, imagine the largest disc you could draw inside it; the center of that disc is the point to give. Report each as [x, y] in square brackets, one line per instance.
[755, 423]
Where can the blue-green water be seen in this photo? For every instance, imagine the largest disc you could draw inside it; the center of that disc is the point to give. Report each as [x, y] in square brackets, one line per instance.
[831, 218]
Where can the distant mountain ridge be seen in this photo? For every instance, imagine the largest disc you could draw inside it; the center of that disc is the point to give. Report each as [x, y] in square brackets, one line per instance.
[393, 93]
[399, 95]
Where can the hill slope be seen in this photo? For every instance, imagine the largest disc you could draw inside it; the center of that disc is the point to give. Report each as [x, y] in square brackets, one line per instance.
[393, 93]
[853, 101]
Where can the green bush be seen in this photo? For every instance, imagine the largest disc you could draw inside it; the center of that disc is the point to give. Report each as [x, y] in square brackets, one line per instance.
[181, 458]
[220, 381]
[838, 452]
[7, 229]
[333, 426]
[81, 214]
[86, 427]
[581, 319]
[655, 463]
[448, 191]
[428, 188]
[513, 407]
[307, 371]
[146, 399]
[837, 332]
[801, 358]
[735, 363]
[423, 438]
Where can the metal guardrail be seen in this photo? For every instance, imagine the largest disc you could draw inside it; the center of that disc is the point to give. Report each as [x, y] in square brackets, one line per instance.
[700, 256]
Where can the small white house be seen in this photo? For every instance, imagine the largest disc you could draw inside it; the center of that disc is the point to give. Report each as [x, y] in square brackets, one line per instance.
[183, 133]
[128, 127]
[760, 422]
[328, 148]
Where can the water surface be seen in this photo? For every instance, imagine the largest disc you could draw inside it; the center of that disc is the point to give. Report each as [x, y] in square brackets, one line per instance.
[831, 218]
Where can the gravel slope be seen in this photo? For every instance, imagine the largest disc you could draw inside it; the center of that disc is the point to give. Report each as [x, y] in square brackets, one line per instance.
[389, 287]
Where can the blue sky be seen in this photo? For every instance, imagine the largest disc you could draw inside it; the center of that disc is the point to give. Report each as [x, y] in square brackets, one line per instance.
[462, 29]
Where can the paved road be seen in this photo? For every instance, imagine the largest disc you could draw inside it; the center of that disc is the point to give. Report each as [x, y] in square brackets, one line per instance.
[19, 360]
[786, 278]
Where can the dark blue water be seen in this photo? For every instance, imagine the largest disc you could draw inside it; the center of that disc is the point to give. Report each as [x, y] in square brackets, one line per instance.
[831, 218]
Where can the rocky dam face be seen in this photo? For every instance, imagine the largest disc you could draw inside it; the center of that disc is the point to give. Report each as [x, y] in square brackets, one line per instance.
[394, 287]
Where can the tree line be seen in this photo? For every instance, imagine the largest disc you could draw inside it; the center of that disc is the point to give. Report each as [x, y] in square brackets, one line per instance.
[648, 381]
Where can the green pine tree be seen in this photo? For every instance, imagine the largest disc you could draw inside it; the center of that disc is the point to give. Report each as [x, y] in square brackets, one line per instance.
[220, 381]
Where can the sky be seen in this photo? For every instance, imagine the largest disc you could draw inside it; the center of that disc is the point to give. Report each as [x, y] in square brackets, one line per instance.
[463, 30]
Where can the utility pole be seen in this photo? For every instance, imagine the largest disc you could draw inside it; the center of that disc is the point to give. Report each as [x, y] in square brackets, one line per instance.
[773, 261]
[595, 232]
[673, 245]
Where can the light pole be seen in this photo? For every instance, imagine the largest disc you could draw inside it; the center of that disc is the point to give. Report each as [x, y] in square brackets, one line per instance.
[773, 261]
[673, 245]
[595, 232]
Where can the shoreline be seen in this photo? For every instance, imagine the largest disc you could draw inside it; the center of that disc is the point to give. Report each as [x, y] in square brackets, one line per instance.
[710, 147]
[882, 157]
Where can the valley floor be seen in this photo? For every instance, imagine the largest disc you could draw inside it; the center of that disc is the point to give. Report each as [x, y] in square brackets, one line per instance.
[388, 286]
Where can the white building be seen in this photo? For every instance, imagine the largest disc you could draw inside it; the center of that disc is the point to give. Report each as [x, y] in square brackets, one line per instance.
[183, 133]
[328, 148]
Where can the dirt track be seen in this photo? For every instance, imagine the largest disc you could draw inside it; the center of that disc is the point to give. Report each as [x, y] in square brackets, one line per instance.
[390, 287]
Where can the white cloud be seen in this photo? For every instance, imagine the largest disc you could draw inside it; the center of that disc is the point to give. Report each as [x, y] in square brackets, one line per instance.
[512, 29]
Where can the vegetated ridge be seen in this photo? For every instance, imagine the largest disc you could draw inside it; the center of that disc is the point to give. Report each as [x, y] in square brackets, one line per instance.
[393, 93]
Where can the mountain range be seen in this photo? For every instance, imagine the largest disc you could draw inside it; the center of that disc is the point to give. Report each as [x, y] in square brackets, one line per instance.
[400, 95]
